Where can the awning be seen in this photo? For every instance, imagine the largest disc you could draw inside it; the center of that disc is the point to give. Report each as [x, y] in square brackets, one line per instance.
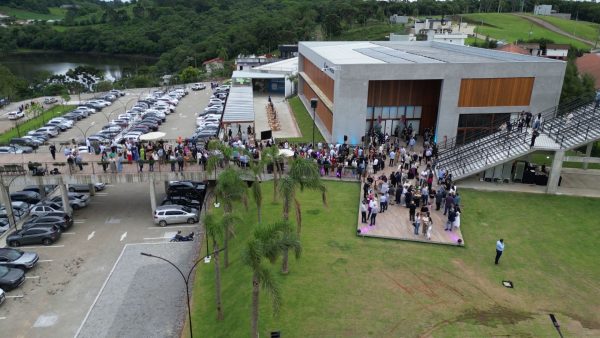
[240, 105]
[256, 75]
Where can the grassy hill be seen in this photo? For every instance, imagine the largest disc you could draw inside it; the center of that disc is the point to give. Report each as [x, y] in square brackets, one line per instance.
[510, 28]
[583, 29]
[55, 14]
[373, 31]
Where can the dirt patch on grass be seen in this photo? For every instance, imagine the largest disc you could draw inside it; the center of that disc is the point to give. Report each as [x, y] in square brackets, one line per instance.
[493, 316]
[585, 322]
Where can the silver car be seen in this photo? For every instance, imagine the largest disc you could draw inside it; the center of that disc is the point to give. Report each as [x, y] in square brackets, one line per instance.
[170, 214]
[14, 258]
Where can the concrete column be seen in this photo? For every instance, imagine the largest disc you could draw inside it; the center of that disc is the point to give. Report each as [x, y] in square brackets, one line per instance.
[92, 189]
[588, 153]
[65, 198]
[555, 171]
[5, 198]
[41, 186]
[152, 194]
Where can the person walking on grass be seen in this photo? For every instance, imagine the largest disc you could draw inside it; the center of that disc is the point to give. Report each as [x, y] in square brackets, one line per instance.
[499, 250]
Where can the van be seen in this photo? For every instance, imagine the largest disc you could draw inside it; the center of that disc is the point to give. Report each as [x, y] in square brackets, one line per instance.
[170, 214]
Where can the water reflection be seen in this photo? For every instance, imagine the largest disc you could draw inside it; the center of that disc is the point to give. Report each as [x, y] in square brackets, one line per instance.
[28, 64]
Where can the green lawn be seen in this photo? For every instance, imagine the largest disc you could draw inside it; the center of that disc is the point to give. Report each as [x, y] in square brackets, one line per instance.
[33, 123]
[547, 157]
[510, 28]
[347, 286]
[305, 123]
[582, 29]
[373, 31]
[55, 14]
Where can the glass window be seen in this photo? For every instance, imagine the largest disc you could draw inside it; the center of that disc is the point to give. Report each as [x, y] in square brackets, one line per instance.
[394, 112]
[386, 113]
[410, 112]
[401, 111]
[417, 112]
[370, 113]
[378, 112]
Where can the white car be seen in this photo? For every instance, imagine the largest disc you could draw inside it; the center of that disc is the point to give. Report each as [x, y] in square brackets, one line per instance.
[100, 103]
[52, 131]
[198, 86]
[66, 122]
[168, 100]
[90, 110]
[15, 115]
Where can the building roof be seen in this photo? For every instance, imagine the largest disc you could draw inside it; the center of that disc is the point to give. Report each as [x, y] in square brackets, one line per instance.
[512, 48]
[557, 46]
[240, 105]
[590, 64]
[215, 60]
[529, 45]
[288, 66]
[410, 52]
[256, 75]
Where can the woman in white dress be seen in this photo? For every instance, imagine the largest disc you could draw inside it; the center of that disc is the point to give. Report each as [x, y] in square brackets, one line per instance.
[456, 223]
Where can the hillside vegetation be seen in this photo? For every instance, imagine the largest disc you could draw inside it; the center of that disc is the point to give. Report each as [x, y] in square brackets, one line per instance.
[510, 28]
[582, 29]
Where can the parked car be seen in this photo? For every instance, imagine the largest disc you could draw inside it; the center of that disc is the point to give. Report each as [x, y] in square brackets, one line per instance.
[48, 188]
[116, 92]
[15, 115]
[186, 189]
[74, 202]
[4, 101]
[14, 258]
[182, 200]
[50, 100]
[17, 213]
[4, 225]
[11, 278]
[170, 214]
[60, 214]
[34, 235]
[49, 221]
[22, 141]
[45, 208]
[198, 86]
[10, 150]
[86, 187]
[26, 196]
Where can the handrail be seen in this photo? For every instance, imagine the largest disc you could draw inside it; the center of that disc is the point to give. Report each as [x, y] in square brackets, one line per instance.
[448, 145]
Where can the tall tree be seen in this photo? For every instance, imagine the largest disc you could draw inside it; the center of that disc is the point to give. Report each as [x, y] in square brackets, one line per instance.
[257, 168]
[230, 189]
[271, 156]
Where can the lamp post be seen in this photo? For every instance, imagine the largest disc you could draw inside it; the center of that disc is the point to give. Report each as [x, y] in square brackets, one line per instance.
[313, 104]
[185, 280]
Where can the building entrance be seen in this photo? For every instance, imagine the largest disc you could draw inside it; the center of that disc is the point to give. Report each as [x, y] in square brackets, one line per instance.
[393, 119]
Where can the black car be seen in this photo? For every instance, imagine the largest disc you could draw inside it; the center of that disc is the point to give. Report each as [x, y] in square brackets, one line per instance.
[18, 141]
[73, 116]
[60, 214]
[182, 200]
[48, 188]
[11, 278]
[190, 189]
[14, 258]
[49, 221]
[34, 235]
[30, 197]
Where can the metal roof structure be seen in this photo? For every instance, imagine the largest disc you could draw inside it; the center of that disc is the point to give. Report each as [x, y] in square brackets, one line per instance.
[256, 75]
[410, 52]
[240, 105]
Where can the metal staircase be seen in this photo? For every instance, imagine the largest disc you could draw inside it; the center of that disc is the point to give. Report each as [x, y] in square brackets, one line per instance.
[566, 126]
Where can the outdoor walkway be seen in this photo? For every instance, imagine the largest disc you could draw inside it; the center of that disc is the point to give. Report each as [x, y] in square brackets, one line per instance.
[287, 122]
[395, 224]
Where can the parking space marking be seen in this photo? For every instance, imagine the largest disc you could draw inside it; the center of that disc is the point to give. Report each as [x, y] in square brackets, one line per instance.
[45, 260]
[123, 236]
[101, 194]
[68, 233]
[78, 222]
[43, 246]
[2, 318]
[167, 235]
[18, 296]
[174, 226]
[91, 235]
[111, 220]
[31, 277]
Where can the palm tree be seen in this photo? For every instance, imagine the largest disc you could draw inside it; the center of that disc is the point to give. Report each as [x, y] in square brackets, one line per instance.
[288, 240]
[270, 155]
[230, 189]
[214, 230]
[267, 243]
[257, 167]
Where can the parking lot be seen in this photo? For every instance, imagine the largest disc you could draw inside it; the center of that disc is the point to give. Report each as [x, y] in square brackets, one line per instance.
[69, 290]
[61, 289]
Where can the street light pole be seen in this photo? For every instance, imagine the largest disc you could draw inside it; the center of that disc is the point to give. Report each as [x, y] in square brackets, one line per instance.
[185, 280]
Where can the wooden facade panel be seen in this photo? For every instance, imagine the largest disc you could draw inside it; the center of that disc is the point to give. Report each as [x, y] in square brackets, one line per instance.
[324, 82]
[424, 93]
[324, 113]
[493, 92]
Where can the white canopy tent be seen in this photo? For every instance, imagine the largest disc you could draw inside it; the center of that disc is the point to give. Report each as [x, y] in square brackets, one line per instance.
[240, 106]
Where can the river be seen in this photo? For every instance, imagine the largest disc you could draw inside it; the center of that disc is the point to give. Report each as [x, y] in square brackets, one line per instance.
[26, 65]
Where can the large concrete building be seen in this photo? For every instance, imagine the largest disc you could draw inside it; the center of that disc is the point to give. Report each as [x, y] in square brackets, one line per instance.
[453, 89]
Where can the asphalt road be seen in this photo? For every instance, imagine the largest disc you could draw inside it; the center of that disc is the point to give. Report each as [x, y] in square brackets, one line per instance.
[63, 287]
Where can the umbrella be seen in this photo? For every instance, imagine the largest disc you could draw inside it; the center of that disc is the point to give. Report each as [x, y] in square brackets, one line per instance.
[286, 152]
[152, 136]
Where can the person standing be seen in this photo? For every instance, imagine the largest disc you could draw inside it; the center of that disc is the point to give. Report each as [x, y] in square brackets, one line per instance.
[417, 223]
[373, 214]
[499, 250]
[363, 211]
[53, 151]
[412, 208]
[451, 219]
[534, 135]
